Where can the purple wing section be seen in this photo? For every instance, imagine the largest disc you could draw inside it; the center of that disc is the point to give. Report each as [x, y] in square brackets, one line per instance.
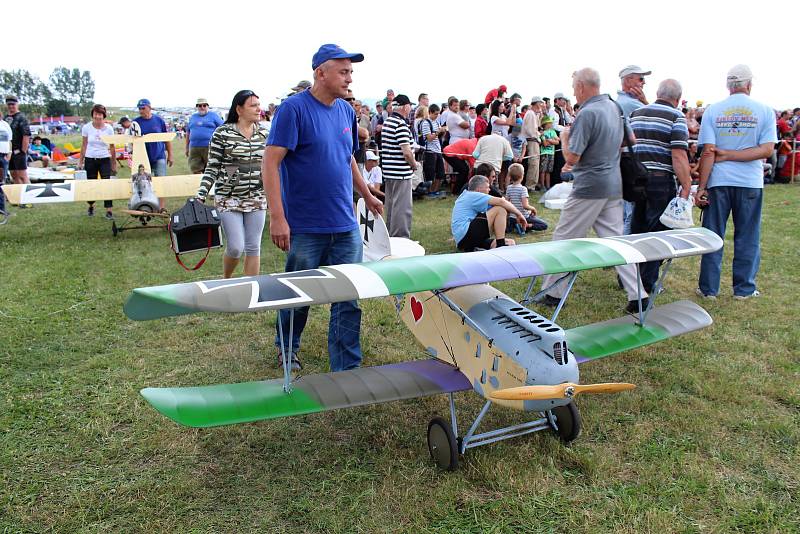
[445, 376]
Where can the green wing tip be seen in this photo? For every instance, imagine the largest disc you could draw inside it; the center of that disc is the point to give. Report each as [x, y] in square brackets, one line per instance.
[147, 303]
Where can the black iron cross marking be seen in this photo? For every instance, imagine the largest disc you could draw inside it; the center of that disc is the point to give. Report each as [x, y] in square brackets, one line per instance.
[267, 290]
[369, 224]
[47, 190]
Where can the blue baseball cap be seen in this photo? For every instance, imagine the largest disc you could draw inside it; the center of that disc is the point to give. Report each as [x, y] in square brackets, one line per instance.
[143, 102]
[332, 51]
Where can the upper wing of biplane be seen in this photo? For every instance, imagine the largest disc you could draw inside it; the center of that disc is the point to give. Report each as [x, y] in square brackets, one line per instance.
[84, 190]
[407, 275]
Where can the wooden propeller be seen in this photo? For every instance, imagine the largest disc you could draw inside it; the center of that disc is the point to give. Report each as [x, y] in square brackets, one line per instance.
[558, 391]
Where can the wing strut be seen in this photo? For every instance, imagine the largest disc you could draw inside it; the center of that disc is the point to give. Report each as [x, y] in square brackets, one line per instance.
[286, 351]
[570, 277]
[527, 298]
[656, 291]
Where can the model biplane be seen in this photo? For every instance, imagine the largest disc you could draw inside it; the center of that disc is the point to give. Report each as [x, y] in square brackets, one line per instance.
[477, 337]
[93, 190]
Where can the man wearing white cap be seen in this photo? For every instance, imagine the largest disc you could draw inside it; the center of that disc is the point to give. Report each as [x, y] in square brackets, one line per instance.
[199, 129]
[631, 98]
[374, 175]
[530, 130]
[736, 135]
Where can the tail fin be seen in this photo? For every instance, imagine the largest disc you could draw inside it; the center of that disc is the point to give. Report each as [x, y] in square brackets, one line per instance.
[374, 233]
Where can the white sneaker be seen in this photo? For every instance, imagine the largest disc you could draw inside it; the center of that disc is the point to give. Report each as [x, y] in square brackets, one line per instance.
[755, 293]
[702, 295]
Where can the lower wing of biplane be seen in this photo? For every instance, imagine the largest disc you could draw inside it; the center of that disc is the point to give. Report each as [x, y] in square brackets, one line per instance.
[93, 190]
[480, 339]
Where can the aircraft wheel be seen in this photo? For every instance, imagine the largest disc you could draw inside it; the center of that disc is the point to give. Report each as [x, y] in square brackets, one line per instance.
[442, 444]
[568, 421]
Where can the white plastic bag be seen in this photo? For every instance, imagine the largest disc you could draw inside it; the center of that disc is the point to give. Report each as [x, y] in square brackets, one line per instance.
[558, 191]
[418, 177]
[678, 214]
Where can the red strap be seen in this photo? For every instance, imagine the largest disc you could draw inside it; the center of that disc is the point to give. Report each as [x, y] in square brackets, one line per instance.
[177, 256]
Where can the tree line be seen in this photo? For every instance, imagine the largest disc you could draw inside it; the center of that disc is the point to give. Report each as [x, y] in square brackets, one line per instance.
[66, 92]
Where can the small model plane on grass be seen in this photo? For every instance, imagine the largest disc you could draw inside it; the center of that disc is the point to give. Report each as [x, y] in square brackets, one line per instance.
[478, 338]
[93, 190]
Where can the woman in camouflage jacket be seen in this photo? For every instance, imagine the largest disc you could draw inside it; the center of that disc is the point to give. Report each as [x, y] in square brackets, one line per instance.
[234, 168]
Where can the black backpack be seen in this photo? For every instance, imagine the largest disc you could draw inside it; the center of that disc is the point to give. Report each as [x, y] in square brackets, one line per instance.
[633, 172]
[194, 227]
[421, 138]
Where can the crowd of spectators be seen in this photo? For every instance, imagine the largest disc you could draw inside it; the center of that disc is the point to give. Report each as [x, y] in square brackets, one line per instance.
[446, 136]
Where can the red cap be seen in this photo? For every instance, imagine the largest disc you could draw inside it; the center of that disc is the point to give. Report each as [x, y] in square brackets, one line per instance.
[502, 88]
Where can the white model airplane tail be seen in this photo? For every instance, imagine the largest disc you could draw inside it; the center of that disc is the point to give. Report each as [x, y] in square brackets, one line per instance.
[375, 236]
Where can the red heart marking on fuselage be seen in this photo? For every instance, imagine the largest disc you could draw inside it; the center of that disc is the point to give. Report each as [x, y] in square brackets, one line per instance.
[416, 309]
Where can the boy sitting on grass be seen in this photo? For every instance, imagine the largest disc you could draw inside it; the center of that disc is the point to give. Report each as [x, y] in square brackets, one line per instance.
[517, 194]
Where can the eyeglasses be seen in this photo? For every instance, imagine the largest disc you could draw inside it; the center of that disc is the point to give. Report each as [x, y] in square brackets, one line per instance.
[641, 78]
[349, 99]
[202, 105]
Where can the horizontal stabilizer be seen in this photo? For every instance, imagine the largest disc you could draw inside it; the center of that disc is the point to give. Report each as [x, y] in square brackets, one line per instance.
[228, 404]
[117, 139]
[602, 339]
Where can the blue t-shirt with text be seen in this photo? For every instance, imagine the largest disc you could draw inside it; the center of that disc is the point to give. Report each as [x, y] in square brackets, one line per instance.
[468, 205]
[737, 123]
[200, 128]
[155, 124]
[316, 177]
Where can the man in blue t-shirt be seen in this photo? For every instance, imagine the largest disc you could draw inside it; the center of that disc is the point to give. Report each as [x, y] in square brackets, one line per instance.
[736, 135]
[309, 175]
[199, 129]
[477, 215]
[159, 154]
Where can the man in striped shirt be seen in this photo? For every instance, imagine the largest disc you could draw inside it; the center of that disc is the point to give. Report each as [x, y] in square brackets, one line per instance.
[398, 164]
[662, 142]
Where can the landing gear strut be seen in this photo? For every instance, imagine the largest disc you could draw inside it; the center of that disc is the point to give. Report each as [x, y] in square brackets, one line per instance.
[445, 446]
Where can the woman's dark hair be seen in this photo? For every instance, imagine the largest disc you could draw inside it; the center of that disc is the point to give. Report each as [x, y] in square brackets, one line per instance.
[238, 100]
[494, 110]
[433, 108]
[99, 108]
[479, 108]
[484, 169]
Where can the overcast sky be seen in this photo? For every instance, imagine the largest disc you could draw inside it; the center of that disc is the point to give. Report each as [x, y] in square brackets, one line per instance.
[174, 52]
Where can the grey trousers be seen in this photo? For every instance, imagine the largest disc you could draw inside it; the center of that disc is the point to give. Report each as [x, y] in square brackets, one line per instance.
[398, 207]
[577, 218]
[243, 232]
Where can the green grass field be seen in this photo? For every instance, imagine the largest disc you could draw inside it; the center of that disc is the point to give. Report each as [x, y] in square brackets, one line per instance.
[709, 442]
